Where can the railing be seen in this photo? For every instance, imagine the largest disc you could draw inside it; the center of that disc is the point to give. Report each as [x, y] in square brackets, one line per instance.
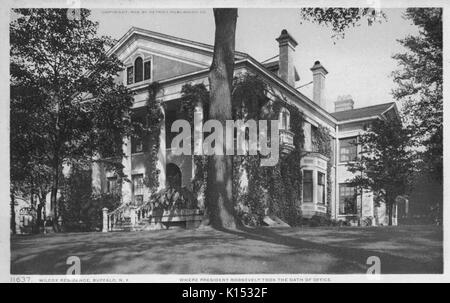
[113, 218]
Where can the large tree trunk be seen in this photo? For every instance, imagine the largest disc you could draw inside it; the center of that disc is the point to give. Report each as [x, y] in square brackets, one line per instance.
[219, 200]
[389, 205]
[40, 206]
[13, 214]
[54, 196]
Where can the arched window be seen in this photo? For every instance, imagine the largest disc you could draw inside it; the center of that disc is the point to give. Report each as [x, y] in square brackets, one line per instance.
[138, 70]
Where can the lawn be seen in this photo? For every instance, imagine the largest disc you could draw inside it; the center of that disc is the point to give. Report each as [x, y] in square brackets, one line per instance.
[405, 249]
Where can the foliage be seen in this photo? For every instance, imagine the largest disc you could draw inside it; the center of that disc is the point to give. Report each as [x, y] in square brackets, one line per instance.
[174, 198]
[152, 128]
[191, 96]
[420, 83]
[65, 65]
[322, 143]
[386, 162]
[276, 189]
[287, 201]
[80, 210]
[340, 19]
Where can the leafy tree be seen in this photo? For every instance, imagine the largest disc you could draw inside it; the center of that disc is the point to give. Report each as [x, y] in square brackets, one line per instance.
[386, 162]
[420, 83]
[30, 173]
[219, 190]
[59, 66]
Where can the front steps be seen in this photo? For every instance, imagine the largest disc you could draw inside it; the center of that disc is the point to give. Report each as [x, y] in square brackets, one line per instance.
[158, 219]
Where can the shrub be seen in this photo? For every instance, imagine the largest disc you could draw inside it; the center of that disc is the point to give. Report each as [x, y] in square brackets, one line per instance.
[174, 198]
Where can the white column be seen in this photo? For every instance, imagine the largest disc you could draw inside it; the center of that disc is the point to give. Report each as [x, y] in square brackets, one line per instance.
[126, 162]
[307, 133]
[198, 136]
[133, 216]
[105, 220]
[198, 128]
[97, 175]
[161, 165]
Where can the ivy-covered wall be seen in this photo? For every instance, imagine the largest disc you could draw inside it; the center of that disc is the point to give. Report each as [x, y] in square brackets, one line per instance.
[261, 190]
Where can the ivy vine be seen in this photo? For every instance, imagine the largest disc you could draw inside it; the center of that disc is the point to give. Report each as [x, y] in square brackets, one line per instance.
[154, 118]
[322, 141]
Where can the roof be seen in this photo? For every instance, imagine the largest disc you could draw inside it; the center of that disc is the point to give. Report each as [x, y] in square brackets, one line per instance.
[274, 66]
[239, 57]
[168, 39]
[363, 112]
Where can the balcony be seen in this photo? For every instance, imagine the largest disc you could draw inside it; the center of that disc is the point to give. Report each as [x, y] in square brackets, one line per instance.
[286, 140]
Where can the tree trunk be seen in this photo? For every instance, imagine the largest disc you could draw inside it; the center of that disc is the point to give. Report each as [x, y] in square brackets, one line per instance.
[219, 199]
[54, 197]
[40, 205]
[13, 214]
[390, 206]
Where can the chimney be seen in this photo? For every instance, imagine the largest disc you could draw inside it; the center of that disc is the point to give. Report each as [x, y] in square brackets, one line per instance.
[286, 58]
[343, 103]
[319, 73]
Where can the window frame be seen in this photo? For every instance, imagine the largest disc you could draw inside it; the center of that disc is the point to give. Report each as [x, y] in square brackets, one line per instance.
[131, 70]
[134, 187]
[115, 188]
[341, 196]
[285, 117]
[321, 194]
[130, 74]
[352, 154]
[310, 183]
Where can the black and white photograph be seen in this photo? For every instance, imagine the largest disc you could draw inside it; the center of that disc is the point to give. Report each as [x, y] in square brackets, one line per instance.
[153, 140]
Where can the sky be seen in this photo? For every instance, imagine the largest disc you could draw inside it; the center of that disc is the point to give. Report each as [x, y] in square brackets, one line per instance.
[359, 65]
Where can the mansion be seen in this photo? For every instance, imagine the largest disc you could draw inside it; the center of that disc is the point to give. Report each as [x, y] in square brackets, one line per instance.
[173, 62]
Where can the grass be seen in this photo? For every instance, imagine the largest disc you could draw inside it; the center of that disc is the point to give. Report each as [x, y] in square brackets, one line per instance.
[332, 250]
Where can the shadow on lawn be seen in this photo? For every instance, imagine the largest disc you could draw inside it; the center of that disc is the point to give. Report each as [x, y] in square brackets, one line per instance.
[246, 250]
[350, 257]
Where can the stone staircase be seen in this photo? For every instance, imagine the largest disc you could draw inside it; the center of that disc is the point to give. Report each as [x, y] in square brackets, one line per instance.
[132, 218]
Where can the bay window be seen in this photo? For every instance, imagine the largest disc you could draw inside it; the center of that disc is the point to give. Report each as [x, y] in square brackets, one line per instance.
[321, 188]
[308, 186]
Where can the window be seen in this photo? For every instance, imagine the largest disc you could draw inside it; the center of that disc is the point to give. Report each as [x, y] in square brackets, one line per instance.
[130, 75]
[284, 117]
[307, 186]
[315, 144]
[138, 188]
[347, 200]
[138, 70]
[112, 185]
[140, 140]
[347, 149]
[137, 145]
[147, 70]
[320, 188]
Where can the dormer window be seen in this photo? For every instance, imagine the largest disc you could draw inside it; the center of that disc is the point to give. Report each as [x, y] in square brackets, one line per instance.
[140, 71]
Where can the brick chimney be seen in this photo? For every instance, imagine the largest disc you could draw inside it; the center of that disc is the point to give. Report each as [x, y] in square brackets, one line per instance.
[319, 74]
[286, 59]
[343, 103]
